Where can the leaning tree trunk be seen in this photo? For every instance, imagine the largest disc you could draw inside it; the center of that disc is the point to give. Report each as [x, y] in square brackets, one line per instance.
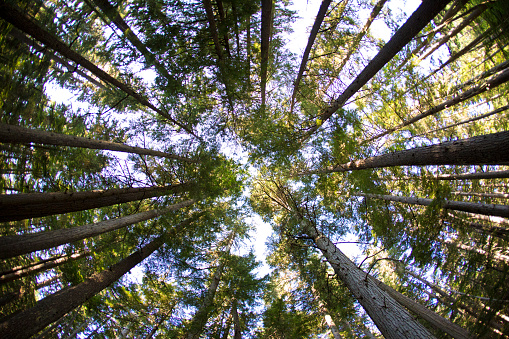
[32, 205]
[415, 23]
[312, 36]
[13, 245]
[201, 316]
[485, 86]
[486, 209]
[495, 255]
[480, 150]
[21, 135]
[265, 35]
[25, 24]
[387, 314]
[20, 272]
[56, 305]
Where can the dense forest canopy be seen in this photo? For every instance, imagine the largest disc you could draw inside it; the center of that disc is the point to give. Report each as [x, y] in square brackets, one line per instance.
[190, 118]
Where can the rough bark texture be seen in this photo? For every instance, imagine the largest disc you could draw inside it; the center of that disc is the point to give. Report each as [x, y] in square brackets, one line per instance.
[43, 265]
[415, 23]
[32, 205]
[22, 22]
[471, 207]
[312, 36]
[485, 86]
[266, 32]
[431, 317]
[13, 245]
[389, 316]
[480, 150]
[17, 134]
[27, 323]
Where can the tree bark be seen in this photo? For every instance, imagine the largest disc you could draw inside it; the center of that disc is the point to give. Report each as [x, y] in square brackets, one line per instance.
[474, 176]
[312, 36]
[207, 4]
[480, 150]
[333, 327]
[43, 265]
[415, 23]
[18, 134]
[25, 24]
[237, 332]
[32, 205]
[483, 195]
[387, 314]
[265, 35]
[56, 305]
[486, 209]
[14, 245]
[488, 85]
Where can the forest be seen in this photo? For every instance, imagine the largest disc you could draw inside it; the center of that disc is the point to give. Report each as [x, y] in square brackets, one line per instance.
[144, 142]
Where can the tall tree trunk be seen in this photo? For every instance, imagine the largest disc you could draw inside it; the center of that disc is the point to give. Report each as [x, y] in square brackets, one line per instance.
[480, 150]
[333, 327]
[389, 316]
[207, 4]
[20, 272]
[433, 318]
[486, 209]
[48, 281]
[475, 13]
[312, 36]
[201, 316]
[485, 86]
[13, 245]
[495, 255]
[265, 37]
[474, 176]
[15, 33]
[237, 332]
[32, 205]
[112, 14]
[415, 23]
[17, 134]
[56, 305]
[25, 24]
[483, 195]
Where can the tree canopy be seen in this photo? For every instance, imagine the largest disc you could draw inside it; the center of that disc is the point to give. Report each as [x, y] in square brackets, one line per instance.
[140, 139]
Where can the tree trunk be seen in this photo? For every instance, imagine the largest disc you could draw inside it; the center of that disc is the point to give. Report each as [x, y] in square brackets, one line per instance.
[207, 4]
[312, 36]
[482, 195]
[480, 150]
[486, 209]
[48, 282]
[56, 305]
[32, 205]
[431, 317]
[156, 327]
[474, 176]
[333, 327]
[485, 86]
[202, 314]
[415, 23]
[17, 134]
[15, 33]
[265, 35]
[237, 332]
[389, 316]
[25, 24]
[13, 245]
[43, 265]
[497, 256]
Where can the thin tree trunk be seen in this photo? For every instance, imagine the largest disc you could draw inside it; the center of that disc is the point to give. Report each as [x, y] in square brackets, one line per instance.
[207, 4]
[387, 314]
[44, 265]
[56, 305]
[486, 209]
[480, 150]
[112, 14]
[18, 134]
[48, 282]
[483, 195]
[265, 35]
[200, 318]
[25, 24]
[474, 176]
[495, 255]
[488, 85]
[156, 327]
[15, 33]
[455, 8]
[415, 23]
[227, 326]
[14, 245]
[237, 332]
[312, 36]
[32, 205]
[222, 18]
[478, 11]
[333, 327]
